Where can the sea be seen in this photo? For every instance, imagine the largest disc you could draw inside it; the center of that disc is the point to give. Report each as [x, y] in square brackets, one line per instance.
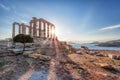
[93, 46]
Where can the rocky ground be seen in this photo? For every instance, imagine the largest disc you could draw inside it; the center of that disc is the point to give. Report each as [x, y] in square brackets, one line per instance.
[59, 61]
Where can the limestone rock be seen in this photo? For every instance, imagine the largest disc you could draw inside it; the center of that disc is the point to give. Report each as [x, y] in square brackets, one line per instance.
[35, 55]
[112, 56]
[27, 52]
[105, 66]
[85, 47]
[101, 54]
[79, 52]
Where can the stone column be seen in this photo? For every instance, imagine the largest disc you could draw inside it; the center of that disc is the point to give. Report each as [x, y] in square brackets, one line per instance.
[23, 28]
[19, 29]
[47, 30]
[53, 33]
[50, 31]
[30, 29]
[44, 30]
[39, 28]
[34, 27]
[13, 32]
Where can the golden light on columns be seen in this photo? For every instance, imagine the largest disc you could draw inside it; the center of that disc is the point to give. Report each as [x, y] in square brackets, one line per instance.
[35, 28]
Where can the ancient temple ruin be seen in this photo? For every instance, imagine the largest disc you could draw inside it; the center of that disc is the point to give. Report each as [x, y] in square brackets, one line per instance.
[37, 28]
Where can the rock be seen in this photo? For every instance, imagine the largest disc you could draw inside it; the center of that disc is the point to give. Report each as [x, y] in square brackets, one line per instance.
[27, 52]
[45, 57]
[85, 47]
[93, 52]
[35, 55]
[101, 54]
[118, 57]
[105, 66]
[113, 56]
[79, 52]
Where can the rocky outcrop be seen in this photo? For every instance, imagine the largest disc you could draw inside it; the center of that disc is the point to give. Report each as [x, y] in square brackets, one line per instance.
[85, 47]
[36, 55]
[114, 56]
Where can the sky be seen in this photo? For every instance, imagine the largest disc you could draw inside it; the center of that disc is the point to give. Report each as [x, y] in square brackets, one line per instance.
[75, 20]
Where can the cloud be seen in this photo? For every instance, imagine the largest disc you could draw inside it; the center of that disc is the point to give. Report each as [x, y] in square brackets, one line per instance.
[5, 7]
[110, 27]
[23, 21]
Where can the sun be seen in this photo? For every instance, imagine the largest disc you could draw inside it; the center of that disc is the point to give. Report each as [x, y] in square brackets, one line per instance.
[53, 31]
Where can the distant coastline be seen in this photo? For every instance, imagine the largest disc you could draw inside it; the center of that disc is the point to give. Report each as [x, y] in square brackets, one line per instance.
[114, 43]
[94, 46]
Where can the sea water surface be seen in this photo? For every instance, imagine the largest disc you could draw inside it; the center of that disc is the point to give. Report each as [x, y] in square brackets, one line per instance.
[93, 46]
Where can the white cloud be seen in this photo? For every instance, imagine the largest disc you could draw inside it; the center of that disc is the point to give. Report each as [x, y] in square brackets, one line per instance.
[110, 27]
[23, 21]
[5, 7]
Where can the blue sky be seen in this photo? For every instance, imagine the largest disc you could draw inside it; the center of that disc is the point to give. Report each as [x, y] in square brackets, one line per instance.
[75, 20]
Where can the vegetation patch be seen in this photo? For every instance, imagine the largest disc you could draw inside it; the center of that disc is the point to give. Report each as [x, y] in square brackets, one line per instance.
[2, 64]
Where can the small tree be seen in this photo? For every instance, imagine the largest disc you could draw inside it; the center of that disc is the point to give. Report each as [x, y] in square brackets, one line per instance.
[23, 39]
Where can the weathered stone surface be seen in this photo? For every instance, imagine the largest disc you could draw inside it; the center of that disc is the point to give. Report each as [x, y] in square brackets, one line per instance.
[118, 57]
[85, 47]
[79, 52]
[27, 52]
[101, 54]
[113, 56]
[105, 65]
[35, 55]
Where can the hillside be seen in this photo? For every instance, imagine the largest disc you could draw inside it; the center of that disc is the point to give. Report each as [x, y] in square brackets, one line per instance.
[114, 43]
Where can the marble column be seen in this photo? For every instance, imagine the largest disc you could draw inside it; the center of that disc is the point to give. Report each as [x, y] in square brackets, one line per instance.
[34, 21]
[19, 29]
[23, 28]
[50, 31]
[13, 32]
[39, 28]
[47, 30]
[34, 29]
[44, 29]
[30, 29]
[53, 33]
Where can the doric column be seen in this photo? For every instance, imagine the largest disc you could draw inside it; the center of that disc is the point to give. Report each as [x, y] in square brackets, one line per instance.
[39, 28]
[19, 29]
[50, 31]
[44, 30]
[30, 29]
[23, 28]
[13, 32]
[53, 33]
[34, 27]
[47, 30]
